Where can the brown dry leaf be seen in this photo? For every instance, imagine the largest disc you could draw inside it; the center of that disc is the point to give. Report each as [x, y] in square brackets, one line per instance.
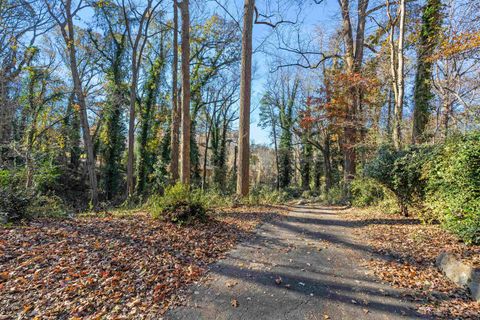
[411, 249]
[234, 303]
[90, 267]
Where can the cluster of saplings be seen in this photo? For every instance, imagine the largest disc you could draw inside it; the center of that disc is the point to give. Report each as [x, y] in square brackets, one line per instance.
[439, 184]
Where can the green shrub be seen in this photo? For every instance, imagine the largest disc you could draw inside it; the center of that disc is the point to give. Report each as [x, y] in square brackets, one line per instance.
[466, 227]
[389, 203]
[265, 196]
[47, 206]
[401, 172]
[308, 194]
[453, 186]
[12, 178]
[366, 192]
[5, 178]
[213, 198]
[47, 177]
[335, 195]
[178, 204]
[13, 204]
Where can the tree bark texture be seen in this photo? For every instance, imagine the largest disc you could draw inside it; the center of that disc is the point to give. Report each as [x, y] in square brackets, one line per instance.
[185, 178]
[243, 173]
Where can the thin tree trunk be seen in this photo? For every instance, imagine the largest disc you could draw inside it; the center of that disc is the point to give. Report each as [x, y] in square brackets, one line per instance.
[176, 111]
[389, 112]
[205, 155]
[5, 119]
[137, 43]
[184, 6]
[245, 99]
[235, 159]
[327, 163]
[87, 139]
[397, 69]
[131, 129]
[277, 165]
[400, 76]
[446, 117]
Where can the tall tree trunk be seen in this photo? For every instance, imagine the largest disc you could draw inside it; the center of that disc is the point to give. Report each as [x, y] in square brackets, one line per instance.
[354, 61]
[144, 165]
[277, 164]
[184, 6]
[77, 84]
[233, 182]
[447, 114]
[401, 78]
[422, 95]
[390, 104]
[327, 163]
[205, 155]
[114, 143]
[397, 69]
[5, 119]
[30, 134]
[176, 110]
[245, 99]
[306, 164]
[131, 128]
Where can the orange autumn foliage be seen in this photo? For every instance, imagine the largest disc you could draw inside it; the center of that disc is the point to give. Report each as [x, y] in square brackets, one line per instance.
[335, 97]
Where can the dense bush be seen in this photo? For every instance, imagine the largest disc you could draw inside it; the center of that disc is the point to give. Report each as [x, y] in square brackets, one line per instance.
[453, 186]
[178, 204]
[47, 177]
[444, 181]
[366, 192]
[40, 200]
[335, 195]
[13, 204]
[11, 178]
[400, 172]
[47, 206]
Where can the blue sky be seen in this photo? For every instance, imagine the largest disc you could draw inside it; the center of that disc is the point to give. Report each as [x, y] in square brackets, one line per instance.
[323, 16]
[312, 16]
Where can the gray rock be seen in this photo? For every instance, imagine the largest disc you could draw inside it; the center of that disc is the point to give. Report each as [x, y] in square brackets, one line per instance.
[460, 273]
[474, 285]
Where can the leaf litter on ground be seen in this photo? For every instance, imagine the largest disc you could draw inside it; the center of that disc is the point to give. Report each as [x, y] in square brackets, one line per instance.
[411, 249]
[111, 267]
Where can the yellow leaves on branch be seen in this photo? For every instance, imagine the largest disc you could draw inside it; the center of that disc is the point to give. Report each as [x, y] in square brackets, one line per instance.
[459, 44]
[102, 3]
